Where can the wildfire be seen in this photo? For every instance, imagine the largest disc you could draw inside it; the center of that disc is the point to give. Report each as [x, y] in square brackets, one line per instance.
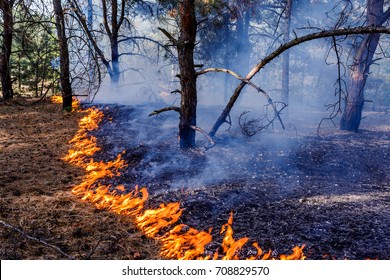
[58, 100]
[179, 242]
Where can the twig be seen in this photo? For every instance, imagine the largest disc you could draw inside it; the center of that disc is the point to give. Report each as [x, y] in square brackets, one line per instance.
[171, 108]
[169, 36]
[205, 134]
[251, 127]
[248, 82]
[36, 239]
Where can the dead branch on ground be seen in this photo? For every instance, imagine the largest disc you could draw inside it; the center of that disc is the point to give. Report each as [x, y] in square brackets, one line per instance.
[252, 126]
[196, 128]
[37, 239]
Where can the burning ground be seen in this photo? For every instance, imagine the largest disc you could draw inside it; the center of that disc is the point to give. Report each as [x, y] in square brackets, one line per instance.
[330, 193]
[284, 189]
[36, 198]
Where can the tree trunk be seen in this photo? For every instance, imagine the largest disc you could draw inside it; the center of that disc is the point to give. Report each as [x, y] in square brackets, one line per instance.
[6, 48]
[360, 68]
[116, 19]
[64, 56]
[115, 26]
[242, 45]
[185, 49]
[115, 61]
[286, 58]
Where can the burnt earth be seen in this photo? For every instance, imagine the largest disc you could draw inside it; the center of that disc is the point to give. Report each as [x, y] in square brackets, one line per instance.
[331, 193]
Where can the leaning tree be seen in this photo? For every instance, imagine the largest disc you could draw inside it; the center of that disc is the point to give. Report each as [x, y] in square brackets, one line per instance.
[360, 68]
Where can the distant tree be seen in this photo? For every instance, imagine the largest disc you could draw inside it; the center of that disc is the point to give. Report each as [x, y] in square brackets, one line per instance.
[66, 87]
[6, 7]
[286, 54]
[34, 48]
[360, 68]
[115, 31]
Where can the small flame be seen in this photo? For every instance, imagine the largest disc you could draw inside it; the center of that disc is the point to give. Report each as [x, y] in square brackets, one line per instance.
[57, 99]
[229, 245]
[296, 255]
[180, 242]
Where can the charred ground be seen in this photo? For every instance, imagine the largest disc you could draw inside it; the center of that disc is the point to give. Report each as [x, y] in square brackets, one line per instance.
[331, 193]
[289, 188]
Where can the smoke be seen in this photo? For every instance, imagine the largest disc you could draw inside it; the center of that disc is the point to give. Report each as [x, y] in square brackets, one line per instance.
[148, 82]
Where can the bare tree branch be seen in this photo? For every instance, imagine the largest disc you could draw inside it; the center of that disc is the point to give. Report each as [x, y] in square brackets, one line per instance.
[197, 128]
[230, 72]
[283, 48]
[171, 108]
[386, 16]
[169, 36]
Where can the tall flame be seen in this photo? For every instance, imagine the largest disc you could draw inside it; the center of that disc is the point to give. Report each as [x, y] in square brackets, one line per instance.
[177, 241]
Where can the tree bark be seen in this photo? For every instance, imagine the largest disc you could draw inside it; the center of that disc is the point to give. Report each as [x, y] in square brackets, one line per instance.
[115, 60]
[185, 49]
[66, 87]
[360, 69]
[6, 49]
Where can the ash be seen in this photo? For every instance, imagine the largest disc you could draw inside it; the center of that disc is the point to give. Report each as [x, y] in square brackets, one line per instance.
[286, 188]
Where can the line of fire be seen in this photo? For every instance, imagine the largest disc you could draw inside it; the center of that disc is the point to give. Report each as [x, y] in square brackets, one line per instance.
[179, 241]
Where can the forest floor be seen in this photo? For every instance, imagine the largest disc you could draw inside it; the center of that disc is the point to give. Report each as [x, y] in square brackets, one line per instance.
[291, 188]
[39, 217]
[285, 188]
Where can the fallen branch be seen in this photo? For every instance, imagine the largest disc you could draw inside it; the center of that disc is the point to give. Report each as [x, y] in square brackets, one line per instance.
[171, 108]
[253, 126]
[37, 239]
[197, 128]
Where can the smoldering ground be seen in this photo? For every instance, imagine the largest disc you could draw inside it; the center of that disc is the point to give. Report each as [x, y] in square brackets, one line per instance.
[285, 187]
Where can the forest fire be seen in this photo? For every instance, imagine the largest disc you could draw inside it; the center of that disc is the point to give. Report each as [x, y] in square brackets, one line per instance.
[179, 242]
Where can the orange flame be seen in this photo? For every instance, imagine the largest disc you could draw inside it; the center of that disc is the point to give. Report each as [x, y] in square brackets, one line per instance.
[180, 242]
[57, 99]
[185, 243]
[229, 245]
[296, 255]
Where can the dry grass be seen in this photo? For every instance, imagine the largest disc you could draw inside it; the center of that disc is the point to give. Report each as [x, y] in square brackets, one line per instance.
[35, 195]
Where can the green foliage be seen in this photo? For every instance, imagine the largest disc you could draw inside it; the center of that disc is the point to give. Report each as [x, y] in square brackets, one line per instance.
[34, 47]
